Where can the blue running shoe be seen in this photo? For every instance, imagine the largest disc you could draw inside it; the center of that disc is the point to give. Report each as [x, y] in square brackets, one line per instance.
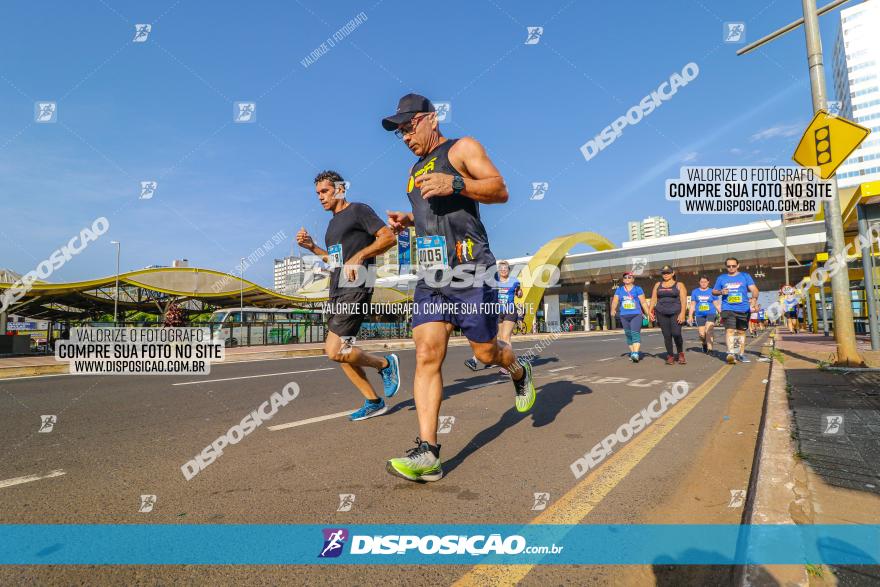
[391, 375]
[369, 410]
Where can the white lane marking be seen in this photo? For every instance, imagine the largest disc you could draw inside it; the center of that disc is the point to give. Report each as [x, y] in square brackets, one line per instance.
[310, 420]
[29, 478]
[253, 376]
[608, 359]
[35, 376]
[559, 369]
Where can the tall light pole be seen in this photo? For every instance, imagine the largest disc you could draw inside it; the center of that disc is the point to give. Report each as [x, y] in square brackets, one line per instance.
[844, 331]
[116, 293]
[241, 291]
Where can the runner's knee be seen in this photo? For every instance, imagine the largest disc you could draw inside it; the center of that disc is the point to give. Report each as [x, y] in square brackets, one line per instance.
[429, 353]
[333, 350]
[488, 355]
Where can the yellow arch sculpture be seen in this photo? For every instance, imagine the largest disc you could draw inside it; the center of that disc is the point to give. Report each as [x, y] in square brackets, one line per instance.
[552, 254]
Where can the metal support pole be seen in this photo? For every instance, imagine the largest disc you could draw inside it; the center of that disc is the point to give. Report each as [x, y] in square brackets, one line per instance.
[116, 291]
[867, 270]
[844, 331]
[808, 312]
[241, 290]
[787, 28]
[785, 249]
[824, 309]
[586, 302]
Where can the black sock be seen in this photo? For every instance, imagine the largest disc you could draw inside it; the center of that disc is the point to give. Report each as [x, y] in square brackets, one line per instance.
[374, 401]
[435, 449]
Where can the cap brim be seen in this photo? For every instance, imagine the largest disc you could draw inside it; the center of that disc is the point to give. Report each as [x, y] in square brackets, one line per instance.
[392, 122]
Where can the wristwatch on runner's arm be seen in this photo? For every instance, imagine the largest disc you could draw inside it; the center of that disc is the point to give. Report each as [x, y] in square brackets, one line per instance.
[457, 184]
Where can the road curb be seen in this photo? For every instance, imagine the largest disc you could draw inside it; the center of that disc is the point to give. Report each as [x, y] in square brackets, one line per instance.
[778, 491]
[62, 368]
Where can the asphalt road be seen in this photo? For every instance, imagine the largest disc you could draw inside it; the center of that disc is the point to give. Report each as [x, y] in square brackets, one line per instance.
[117, 438]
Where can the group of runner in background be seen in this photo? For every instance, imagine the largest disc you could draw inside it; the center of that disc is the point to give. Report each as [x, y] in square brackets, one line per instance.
[732, 302]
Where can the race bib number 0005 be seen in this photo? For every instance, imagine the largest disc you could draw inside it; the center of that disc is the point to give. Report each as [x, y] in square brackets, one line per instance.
[432, 251]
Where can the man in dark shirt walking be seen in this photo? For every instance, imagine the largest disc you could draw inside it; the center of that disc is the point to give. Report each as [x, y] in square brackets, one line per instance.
[355, 236]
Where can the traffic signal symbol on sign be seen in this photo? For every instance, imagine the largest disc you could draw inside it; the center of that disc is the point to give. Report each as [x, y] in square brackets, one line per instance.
[827, 142]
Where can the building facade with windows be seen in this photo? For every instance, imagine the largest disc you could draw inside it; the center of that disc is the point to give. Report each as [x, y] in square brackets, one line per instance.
[288, 274]
[856, 65]
[650, 227]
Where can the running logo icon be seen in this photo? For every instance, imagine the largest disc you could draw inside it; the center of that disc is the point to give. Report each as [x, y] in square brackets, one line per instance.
[833, 424]
[244, 112]
[141, 32]
[341, 189]
[638, 265]
[148, 190]
[541, 501]
[539, 190]
[347, 344]
[534, 35]
[444, 111]
[346, 500]
[147, 503]
[737, 498]
[45, 112]
[47, 423]
[446, 423]
[334, 541]
[464, 250]
[734, 32]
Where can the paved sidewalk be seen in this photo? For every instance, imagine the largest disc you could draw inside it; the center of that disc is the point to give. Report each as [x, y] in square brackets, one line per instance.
[836, 415]
[824, 465]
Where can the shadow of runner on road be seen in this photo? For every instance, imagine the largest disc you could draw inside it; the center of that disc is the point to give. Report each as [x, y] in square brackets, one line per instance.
[484, 378]
[552, 398]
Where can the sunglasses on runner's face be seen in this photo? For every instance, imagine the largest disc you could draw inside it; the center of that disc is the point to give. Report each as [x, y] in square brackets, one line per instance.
[409, 127]
[732, 266]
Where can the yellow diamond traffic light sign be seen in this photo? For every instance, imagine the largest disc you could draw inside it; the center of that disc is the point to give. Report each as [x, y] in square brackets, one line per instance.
[827, 142]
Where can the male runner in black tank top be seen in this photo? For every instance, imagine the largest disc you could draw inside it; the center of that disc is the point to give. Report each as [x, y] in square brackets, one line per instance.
[445, 187]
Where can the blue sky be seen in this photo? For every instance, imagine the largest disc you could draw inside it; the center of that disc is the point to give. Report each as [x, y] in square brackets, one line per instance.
[162, 110]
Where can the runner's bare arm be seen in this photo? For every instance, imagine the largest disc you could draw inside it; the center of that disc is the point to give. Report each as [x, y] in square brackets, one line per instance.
[385, 239]
[305, 240]
[645, 312]
[482, 180]
[682, 295]
[653, 301]
[399, 220]
[754, 301]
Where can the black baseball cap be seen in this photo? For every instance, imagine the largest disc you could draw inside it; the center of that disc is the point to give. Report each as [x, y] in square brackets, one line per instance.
[667, 269]
[407, 107]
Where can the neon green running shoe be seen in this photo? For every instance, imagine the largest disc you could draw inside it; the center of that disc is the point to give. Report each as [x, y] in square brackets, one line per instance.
[419, 464]
[525, 389]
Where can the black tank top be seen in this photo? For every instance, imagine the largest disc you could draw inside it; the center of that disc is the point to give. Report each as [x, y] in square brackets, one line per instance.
[668, 300]
[454, 217]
